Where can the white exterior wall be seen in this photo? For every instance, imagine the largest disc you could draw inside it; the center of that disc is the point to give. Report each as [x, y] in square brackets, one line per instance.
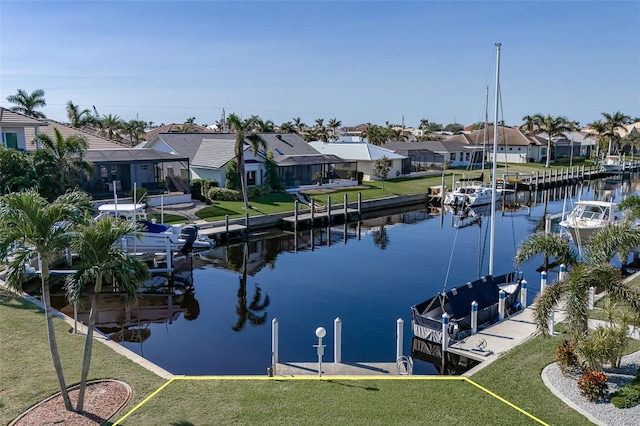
[209, 174]
[22, 143]
[367, 167]
[517, 154]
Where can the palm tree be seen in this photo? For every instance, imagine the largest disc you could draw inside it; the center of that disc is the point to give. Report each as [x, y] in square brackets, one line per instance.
[333, 124]
[553, 127]
[319, 123]
[101, 260]
[595, 271]
[613, 122]
[529, 124]
[424, 124]
[78, 118]
[41, 229]
[110, 127]
[599, 131]
[187, 127]
[241, 128]
[376, 135]
[299, 125]
[396, 135]
[135, 130]
[66, 157]
[287, 127]
[550, 245]
[27, 103]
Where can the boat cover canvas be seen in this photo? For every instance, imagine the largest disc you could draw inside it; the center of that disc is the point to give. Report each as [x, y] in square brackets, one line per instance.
[483, 290]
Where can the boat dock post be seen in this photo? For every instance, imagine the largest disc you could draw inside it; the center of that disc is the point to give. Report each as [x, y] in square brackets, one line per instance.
[523, 294]
[346, 209]
[445, 332]
[337, 340]
[246, 224]
[543, 281]
[295, 217]
[274, 345]
[501, 305]
[399, 338]
[474, 317]
[359, 205]
[329, 211]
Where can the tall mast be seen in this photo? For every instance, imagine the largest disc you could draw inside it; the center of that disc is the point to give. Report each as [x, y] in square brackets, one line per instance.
[486, 123]
[495, 162]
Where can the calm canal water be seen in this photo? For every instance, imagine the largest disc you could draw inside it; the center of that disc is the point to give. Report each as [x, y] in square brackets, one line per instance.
[369, 280]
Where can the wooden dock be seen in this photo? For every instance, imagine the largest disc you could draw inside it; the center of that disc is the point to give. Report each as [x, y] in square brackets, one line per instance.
[222, 232]
[307, 217]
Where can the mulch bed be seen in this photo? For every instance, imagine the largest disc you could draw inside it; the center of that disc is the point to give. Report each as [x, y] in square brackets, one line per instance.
[102, 400]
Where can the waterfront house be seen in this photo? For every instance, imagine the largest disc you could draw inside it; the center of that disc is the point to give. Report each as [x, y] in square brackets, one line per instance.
[514, 146]
[15, 127]
[365, 156]
[421, 156]
[210, 153]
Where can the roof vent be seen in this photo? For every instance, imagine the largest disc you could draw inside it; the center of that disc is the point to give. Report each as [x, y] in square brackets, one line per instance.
[279, 137]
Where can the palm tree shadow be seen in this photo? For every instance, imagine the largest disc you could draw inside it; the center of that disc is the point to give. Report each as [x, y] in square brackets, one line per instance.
[182, 423]
[350, 385]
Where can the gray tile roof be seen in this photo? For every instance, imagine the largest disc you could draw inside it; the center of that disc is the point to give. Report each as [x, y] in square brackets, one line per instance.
[129, 155]
[175, 128]
[287, 144]
[214, 153]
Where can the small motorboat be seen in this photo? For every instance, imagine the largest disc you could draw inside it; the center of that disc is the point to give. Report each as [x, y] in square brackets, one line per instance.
[472, 195]
[586, 218]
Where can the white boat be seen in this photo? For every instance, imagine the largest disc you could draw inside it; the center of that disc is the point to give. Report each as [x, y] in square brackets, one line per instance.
[475, 194]
[586, 218]
[427, 316]
[155, 237]
[614, 164]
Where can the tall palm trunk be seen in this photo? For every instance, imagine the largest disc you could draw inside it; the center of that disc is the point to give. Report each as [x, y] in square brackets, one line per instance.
[88, 345]
[53, 344]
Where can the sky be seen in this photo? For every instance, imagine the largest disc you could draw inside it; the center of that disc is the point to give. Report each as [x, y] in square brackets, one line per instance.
[357, 61]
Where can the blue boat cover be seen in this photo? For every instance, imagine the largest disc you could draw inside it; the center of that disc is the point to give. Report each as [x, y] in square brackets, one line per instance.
[483, 290]
[155, 228]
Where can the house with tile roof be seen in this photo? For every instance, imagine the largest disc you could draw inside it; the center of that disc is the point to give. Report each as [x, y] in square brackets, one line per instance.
[176, 128]
[210, 153]
[16, 129]
[115, 167]
[365, 156]
[573, 144]
[421, 157]
[514, 146]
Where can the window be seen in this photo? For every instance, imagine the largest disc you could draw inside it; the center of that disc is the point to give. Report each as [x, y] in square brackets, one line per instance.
[452, 156]
[251, 177]
[144, 167]
[467, 156]
[11, 140]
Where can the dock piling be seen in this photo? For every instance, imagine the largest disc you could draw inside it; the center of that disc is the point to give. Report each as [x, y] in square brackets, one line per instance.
[523, 294]
[329, 210]
[474, 317]
[399, 337]
[337, 340]
[543, 281]
[274, 344]
[592, 297]
[501, 305]
[346, 205]
[445, 332]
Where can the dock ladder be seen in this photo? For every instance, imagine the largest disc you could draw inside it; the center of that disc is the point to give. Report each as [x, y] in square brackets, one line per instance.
[405, 365]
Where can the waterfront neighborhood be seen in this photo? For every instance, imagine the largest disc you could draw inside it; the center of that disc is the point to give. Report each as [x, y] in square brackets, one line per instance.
[345, 212]
[191, 174]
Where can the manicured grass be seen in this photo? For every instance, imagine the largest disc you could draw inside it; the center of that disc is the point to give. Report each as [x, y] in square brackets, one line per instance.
[370, 190]
[27, 377]
[334, 402]
[169, 218]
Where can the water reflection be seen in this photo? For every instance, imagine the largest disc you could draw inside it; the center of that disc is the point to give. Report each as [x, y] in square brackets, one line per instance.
[252, 312]
[431, 353]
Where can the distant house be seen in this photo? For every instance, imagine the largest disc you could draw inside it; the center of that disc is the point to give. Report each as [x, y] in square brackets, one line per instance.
[514, 146]
[365, 155]
[16, 127]
[455, 151]
[115, 167]
[209, 154]
[176, 128]
[574, 144]
[421, 157]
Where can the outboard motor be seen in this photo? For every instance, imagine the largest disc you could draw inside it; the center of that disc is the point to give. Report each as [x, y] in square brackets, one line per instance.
[189, 233]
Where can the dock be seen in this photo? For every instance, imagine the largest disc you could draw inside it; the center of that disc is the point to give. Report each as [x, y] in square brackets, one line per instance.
[339, 369]
[493, 341]
[319, 215]
[218, 232]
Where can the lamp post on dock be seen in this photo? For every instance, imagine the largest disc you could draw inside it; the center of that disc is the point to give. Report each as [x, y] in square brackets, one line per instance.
[320, 333]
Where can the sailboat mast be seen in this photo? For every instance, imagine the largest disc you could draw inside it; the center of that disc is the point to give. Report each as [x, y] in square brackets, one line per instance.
[486, 123]
[495, 162]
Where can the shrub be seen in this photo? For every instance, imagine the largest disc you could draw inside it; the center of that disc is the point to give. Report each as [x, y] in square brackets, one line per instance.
[360, 177]
[566, 357]
[317, 177]
[351, 173]
[258, 191]
[593, 385]
[628, 396]
[224, 194]
[196, 189]
[141, 195]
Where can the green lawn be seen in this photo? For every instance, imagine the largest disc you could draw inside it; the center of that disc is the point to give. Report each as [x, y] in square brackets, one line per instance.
[27, 376]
